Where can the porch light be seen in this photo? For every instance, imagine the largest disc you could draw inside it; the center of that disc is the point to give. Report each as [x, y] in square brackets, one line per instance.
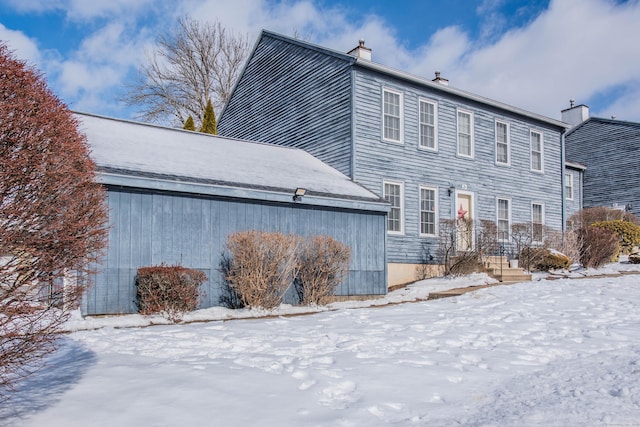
[298, 194]
[451, 190]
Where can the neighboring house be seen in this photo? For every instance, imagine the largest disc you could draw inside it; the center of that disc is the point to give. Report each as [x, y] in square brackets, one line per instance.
[433, 151]
[174, 196]
[610, 150]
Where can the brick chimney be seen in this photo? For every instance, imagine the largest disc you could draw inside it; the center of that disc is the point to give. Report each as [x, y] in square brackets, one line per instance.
[575, 114]
[440, 80]
[361, 51]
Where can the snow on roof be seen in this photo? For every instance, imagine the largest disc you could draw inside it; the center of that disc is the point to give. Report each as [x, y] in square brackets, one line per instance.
[147, 150]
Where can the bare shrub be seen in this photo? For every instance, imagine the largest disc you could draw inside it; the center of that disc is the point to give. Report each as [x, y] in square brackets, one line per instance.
[263, 266]
[52, 218]
[566, 243]
[168, 290]
[597, 246]
[487, 238]
[323, 265]
[588, 216]
[456, 251]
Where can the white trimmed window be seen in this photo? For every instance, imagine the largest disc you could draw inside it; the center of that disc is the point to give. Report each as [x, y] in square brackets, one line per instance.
[537, 151]
[537, 221]
[391, 116]
[428, 211]
[465, 133]
[393, 194]
[568, 186]
[503, 210]
[503, 155]
[428, 124]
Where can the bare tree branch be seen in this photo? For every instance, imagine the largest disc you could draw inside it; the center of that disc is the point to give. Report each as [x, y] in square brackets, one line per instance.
[190, 64]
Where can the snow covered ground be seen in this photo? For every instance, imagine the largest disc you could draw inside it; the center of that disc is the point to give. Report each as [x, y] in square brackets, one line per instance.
[549, 352]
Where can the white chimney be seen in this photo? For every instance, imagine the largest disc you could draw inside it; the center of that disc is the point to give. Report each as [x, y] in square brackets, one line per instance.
[361, 51]
[575, 114]
[440, 80]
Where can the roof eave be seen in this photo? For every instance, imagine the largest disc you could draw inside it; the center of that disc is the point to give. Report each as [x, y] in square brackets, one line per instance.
[460, 93]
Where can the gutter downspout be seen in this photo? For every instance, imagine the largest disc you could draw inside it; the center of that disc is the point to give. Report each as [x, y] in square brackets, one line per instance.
[353, 124]
[562, 182]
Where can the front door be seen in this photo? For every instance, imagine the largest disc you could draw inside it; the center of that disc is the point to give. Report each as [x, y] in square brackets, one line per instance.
[464, 216]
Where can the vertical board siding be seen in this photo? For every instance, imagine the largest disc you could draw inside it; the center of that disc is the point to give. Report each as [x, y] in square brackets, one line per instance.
[378, 160]
[153, 228]
[280, 87]
[611, 152]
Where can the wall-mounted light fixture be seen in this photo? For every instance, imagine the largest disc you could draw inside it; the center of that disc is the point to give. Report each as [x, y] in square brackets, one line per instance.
[298, 194]
[451, 190]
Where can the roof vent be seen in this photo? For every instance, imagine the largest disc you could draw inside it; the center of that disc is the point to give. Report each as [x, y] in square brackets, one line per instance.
[361, 51]
[440, 80]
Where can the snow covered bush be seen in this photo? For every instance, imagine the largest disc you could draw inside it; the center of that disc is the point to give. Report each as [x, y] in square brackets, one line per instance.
[628, 232]
[542, 259]
[170, 290]
[634, 258]
[263, 266]
[52, 218]
[323, 264]
[597, 245]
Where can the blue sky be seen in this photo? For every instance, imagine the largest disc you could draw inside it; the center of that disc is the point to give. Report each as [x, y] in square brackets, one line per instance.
[534, 54]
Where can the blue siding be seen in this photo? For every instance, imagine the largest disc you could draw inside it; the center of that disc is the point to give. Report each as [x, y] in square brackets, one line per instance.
[610, 149]
[374, 160]
[378, 160]
[152, 228]
[278, 89]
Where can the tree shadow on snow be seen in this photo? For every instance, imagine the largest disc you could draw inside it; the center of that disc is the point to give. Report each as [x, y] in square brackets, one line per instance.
[62, 369]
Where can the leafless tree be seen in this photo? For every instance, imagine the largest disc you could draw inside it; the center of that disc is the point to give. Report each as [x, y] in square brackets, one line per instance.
[191, 63]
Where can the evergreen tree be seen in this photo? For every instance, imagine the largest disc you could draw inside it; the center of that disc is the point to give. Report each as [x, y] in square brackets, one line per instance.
[189, 125]
[209, 122]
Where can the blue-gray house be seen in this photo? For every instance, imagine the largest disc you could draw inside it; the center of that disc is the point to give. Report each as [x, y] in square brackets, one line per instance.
[174, 196]
[433, 151]
[610, 150]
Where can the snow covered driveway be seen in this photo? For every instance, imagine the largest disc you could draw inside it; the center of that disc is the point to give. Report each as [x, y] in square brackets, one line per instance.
[564, 352]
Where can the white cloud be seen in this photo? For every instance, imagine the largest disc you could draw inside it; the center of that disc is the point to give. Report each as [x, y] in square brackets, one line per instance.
[24, 48]
[80, 10]
[581, 50]
[573, 50]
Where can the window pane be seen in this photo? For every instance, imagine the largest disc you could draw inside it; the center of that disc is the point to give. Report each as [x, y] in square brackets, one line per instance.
[536, 151]
[427, 125]
[393, 196]
[391, 108]
[537, 215]
[502, 143]
[464, 134]
[427, 211]
[503, 219]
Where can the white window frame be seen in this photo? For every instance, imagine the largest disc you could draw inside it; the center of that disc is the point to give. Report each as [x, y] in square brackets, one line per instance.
[531, 151]
[471, 137]
[400, 116]
[508, 219]
[401, 207]
[533, 223]
[435, 210]
[568, 185]
[507, 142]
[434, 104]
